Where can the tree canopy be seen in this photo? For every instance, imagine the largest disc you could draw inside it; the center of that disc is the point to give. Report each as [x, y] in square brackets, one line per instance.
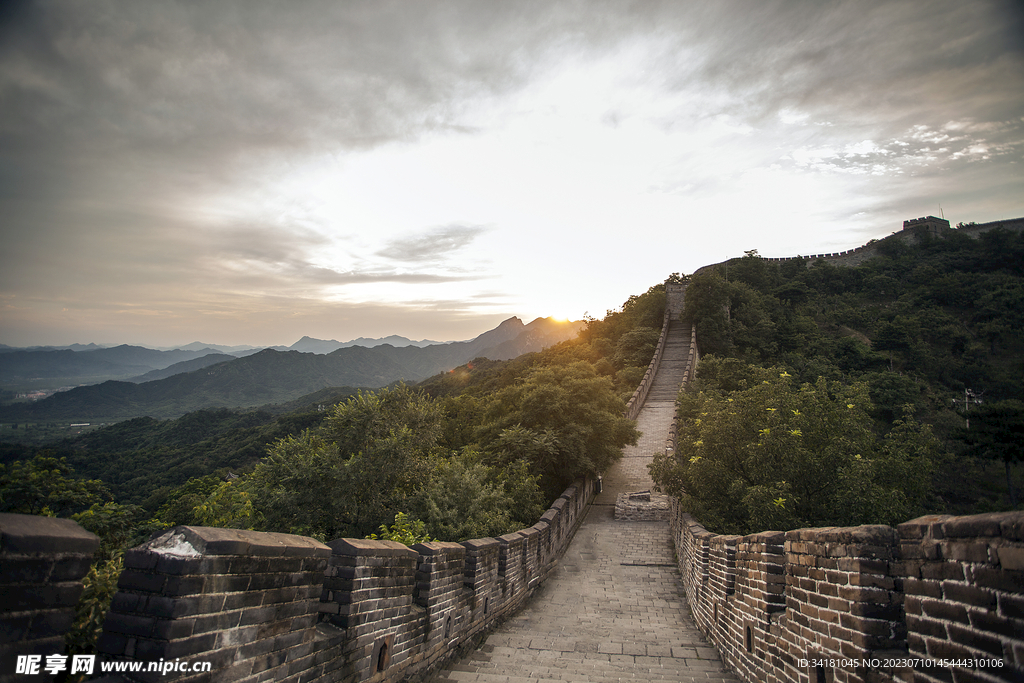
[757, 450]
[919, 322]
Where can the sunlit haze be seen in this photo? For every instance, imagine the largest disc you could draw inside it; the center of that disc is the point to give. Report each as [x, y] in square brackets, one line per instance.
[252, 172]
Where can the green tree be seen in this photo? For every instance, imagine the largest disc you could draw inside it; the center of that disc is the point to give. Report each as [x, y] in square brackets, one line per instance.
[467, 499]
[707, 308]
[300, 486]
[230, 506]
[359, 467]
[404, 530]
[636, 347]
[46, 485]
[573, 417]
[775, 454]
[179, 506]
[997, 432]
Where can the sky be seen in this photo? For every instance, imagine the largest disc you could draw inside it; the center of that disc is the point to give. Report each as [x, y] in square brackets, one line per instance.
[252, 172]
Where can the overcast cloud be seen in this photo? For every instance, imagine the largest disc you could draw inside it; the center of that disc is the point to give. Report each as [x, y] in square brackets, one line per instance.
[252, 172]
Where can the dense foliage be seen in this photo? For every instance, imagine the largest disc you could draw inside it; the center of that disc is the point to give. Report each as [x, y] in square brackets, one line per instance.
[476, 452]
[143, 459]
[904, 338]
[756, 451]
[946, 314]
[479, 451]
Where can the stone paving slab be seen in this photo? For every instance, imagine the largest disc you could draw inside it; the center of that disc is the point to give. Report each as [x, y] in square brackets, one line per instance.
[601, 618]
[614, 609]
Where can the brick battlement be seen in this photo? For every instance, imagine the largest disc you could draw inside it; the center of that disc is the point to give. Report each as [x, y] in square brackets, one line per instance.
[911, 231]
[277, 607]
[935, 588]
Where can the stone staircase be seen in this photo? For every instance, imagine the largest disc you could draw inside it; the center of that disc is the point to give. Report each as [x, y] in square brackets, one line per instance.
[673, 365]
[614, 609]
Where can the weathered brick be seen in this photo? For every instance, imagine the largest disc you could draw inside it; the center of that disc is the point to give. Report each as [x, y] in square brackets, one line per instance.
[1011, 606]
[972, 526]
[228, 583]
[975, 639]
[998, 579]
[880, 627]
[969, 595]
[216, 622]
[947, 649]
[50, 623]
[40, 597]
[1011, 558]
[873, 610]
[951, 571]
[966, 551]
[931, 589]
[24, 534]
[128, 624]
[945, 610]
[989, 622]
[184, 585]
[925, 627]
[864, 594]
[110, 643]
[927, 526]
[172, 629]
[138, 581]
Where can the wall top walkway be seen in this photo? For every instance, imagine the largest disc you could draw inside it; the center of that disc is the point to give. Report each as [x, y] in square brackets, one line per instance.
[614, 609]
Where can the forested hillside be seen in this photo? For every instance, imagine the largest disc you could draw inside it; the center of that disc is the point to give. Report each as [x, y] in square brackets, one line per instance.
[826, 395]
[141, 460]
[272, 376]
[845, 388]
[475, 451]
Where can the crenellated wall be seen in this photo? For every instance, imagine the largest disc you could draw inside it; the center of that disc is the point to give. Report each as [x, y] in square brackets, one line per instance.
[636, 401]
[868, 603]
[910, 232]
[689, 374]
[263, 606]
[42, 563]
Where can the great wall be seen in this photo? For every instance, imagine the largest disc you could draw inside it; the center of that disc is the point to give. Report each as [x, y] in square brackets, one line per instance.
[925, 601]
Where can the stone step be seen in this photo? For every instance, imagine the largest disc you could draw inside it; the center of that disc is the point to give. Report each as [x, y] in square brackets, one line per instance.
[588, 669]
[614, 610]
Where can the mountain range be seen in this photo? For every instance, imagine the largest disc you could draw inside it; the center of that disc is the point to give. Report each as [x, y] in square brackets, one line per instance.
[203, 378]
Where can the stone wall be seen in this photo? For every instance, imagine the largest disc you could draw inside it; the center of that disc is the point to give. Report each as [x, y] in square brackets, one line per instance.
[259, 606]
[867, 603]
[689, 374]
[636, 401]
[909, 233]
[42, 563]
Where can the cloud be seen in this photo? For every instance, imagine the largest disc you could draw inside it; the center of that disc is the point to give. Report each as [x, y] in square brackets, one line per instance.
[436, 244]
[150, 154]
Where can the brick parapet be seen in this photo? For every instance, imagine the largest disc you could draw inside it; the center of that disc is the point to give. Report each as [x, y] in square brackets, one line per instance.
[481, 581]
[636, 401]
[43, 562]
[368, 594]
[963, 591]
[277, 607]
[510, 568]
[934, 588]
[689, 374]
[531, 557]
[244, 601]
[910, 232]
[545, 551]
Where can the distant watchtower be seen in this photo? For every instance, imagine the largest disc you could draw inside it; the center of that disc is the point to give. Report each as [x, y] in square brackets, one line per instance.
[929, 224]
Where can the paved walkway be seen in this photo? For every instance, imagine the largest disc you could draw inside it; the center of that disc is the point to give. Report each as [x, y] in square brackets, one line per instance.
[614, 609]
